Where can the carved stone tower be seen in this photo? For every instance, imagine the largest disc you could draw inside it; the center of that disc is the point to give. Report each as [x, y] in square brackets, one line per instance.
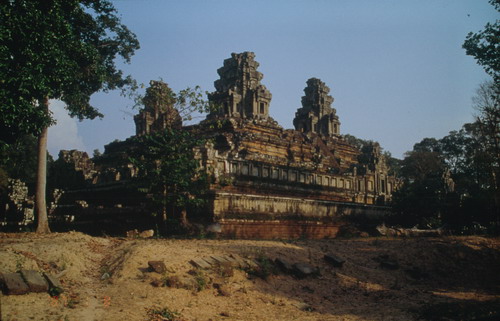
[316, 114]
[159, 112]
[239, 92]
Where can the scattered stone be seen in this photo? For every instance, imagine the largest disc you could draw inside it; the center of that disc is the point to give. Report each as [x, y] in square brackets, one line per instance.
[35, 281]
[147, 234]
[53, 282]
[241, 262]
[389, 264]
[210, 260]
[334, 260]
[132, 233]
[284, 265]
[224, 314]
[200, 263]
[251, 263]
[173, 282]
[136, 234]
[222, 289]
[157, 282]
[61, 274]
[232, 261]
[14, 284]
[389, 231]
[220, 259]
[157, 266]
[302, 270]
[178, 282]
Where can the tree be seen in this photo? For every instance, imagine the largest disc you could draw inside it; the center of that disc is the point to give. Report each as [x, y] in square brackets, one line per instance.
[485, 47]
[187, 103]
[359, 143]
[165, 155]
[487, 134]
[366, 148]
[422, 198]
[169, 171]
[56, 49]
[18, 159]
[427, 145]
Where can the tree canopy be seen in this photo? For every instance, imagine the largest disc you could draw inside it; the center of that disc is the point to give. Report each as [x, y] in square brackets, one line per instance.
[169, 171]
[57, 49]
[484, 46]
[471, 158]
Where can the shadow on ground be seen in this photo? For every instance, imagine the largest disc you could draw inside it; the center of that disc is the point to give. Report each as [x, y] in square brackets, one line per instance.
[432, 279]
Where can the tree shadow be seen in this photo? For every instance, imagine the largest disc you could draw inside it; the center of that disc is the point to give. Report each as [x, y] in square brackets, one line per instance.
[428, 271]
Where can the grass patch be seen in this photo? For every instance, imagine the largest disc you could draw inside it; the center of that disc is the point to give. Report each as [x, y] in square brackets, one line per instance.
[162, 314]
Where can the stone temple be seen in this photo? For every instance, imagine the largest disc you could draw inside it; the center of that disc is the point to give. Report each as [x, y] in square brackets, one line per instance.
[270, 182]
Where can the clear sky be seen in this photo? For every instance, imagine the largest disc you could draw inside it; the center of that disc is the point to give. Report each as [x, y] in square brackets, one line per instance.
[395, 68]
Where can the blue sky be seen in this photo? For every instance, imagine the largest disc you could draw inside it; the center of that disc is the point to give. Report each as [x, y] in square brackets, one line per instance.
[395, 68]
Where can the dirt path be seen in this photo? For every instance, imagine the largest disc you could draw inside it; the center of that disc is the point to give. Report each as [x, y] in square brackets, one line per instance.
[108, 279]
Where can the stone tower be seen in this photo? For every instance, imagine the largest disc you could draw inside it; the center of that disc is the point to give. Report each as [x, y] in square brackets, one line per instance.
[239, 92]
[159, 112]
[316, 114]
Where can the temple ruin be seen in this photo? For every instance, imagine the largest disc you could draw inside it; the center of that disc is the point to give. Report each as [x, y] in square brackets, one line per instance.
[269, 182]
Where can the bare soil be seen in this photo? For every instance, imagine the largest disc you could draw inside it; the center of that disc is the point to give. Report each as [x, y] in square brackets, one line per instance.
[108, 279]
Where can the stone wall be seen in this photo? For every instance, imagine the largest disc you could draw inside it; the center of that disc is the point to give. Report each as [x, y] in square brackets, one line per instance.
[271, 216]
[248, 229]
[272, 207]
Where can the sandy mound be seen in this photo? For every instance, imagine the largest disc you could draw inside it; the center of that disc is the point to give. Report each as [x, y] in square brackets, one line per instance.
[382, 278]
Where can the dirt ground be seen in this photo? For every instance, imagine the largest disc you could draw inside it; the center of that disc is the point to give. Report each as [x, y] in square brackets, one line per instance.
[108, 279]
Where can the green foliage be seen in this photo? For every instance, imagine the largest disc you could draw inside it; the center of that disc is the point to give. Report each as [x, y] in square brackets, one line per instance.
[484, 46]
[60, 49]
[55, 291]
[264, 269]
[189, 102]
[168, 168]
[393, 164]
[366, 158]
[420, 165]
[226, 180]
[359, 143]
[163, 314]
[159, 95]
[201, 280]
[4, 182]
[19, 159]
[471, 157]
[425, 198]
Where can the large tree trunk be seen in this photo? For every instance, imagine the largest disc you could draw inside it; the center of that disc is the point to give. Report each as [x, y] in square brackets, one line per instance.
[41, 179]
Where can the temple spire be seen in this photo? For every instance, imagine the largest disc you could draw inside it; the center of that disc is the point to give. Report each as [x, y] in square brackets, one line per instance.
[239, 92]
[316, 114]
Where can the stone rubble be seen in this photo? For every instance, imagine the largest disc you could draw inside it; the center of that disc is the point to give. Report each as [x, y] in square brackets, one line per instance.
[334, 260]
[26, 281]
